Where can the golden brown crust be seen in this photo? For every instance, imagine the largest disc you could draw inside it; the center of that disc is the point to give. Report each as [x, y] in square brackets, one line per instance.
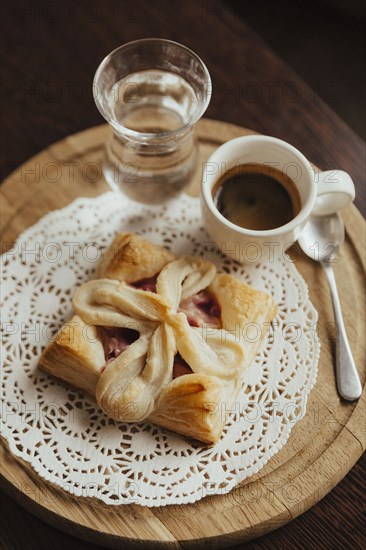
[194, 406]
[240, 303]
[130, 258]
[244, 310]
[76, 355]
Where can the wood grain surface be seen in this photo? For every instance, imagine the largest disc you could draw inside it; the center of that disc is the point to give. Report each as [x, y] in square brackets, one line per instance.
[322, 447]
[49, 55]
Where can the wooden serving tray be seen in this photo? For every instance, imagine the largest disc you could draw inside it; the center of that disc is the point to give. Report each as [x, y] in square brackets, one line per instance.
[322, 447]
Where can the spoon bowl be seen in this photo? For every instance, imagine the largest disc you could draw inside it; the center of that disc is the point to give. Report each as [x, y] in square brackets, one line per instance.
[322, 237]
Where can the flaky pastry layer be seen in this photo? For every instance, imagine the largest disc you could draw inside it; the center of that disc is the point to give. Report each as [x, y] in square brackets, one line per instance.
[138, 384]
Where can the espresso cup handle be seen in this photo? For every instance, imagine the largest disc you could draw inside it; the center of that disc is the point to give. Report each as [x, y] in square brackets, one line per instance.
[335, 189]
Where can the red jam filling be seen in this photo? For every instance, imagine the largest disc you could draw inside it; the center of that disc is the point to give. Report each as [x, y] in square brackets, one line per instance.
[115, 340]
[146, 284]
[201, 308]
[180, 367]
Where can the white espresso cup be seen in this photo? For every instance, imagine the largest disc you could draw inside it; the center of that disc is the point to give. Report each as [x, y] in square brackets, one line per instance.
[320, 193]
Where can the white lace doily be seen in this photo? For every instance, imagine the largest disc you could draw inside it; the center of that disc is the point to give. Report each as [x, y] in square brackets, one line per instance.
[64, 435]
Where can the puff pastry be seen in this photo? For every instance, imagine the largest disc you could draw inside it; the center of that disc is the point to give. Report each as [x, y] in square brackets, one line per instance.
[160, 338]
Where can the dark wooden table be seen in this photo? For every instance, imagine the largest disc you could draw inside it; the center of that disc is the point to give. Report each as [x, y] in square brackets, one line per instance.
[50, 51]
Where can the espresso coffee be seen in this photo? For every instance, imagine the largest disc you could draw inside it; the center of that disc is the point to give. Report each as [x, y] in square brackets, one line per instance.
[257, 197]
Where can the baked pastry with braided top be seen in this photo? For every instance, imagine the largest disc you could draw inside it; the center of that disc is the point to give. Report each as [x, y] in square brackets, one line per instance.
[160, 338]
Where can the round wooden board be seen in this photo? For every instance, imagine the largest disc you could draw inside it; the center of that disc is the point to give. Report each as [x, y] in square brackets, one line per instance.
[322, 447]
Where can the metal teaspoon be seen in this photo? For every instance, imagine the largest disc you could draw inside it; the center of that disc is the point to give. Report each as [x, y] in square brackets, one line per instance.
[320, 240]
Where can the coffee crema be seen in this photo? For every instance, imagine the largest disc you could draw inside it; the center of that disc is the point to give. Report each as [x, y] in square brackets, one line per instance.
[256, 196]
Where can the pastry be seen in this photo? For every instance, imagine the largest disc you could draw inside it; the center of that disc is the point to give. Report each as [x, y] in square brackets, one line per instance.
[160, 338]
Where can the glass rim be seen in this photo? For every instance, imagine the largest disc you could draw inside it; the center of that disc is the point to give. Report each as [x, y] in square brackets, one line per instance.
[147, 135]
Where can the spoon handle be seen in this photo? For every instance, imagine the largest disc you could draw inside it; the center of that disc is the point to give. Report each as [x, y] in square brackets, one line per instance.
[348, 381]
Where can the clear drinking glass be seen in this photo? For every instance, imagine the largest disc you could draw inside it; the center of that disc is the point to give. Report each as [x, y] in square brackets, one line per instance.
[151, 92]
